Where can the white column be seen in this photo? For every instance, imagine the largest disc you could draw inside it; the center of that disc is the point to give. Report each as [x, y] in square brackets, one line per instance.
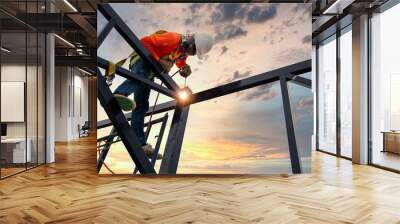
[50, 99]
[360, 90]
[50, 92]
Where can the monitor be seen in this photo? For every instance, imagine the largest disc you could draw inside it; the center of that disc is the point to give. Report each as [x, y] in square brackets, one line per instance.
[3, 129]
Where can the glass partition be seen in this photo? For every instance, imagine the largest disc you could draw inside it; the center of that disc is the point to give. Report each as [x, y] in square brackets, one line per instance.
[14, 153]
[22, 93]
[327, 95]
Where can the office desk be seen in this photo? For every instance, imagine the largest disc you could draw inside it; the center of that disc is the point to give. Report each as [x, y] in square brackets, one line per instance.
[13, 150]
[391, 141]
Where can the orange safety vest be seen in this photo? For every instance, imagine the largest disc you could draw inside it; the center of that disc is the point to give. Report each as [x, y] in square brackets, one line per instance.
[163, 44]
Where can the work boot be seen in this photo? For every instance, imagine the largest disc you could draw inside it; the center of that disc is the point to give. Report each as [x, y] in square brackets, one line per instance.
[126, 103]
[148, 150]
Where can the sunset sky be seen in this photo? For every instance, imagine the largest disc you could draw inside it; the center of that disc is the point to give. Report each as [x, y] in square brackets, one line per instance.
[242, 132]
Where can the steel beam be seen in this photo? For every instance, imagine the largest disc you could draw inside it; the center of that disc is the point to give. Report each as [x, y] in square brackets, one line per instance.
[158, 143]
[253, 81]
[131, 76]
[169, 163]
[106, 148]
[76, 61]
[159, 108]
[155, 121]
[109, 139]
[84, 24]
[294, 154]
[159, 140]
[135, 43]
[300, 81]
[103, 34]
[121, 125]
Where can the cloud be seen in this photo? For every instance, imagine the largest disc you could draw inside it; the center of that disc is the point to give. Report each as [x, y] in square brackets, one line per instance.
[226, 12]
[229, 32]
[306, 102]
[224, 49]
[260, 15]
[237, 75]
[292, 55]
[263, 93]
[303, 8]
[289, 22]
[195, 7]
[306, 39]
[192, 21]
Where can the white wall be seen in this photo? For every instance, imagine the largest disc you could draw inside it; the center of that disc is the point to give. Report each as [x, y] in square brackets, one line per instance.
[71, 94]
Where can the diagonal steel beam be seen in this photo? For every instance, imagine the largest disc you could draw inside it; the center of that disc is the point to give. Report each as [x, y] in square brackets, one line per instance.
[103, 34]
[169, 163]
[135, 43]
[293, 152]
[104, 151]
[158, 143]
[159, 140]
[122, 126]
[109, 139]
[102, 63]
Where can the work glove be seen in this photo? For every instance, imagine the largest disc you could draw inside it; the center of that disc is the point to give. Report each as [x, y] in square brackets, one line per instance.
[109, 79]
[185, 71]
[166, 64]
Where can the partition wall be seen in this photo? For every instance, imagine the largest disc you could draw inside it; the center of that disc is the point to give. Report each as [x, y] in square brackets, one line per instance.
[22, 77]
[334, 93]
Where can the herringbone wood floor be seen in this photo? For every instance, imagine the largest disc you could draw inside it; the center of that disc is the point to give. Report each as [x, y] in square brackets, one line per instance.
[70, 191]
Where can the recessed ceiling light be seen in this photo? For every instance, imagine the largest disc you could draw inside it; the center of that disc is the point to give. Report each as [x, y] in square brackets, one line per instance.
[86, 72]
[70, 5]
[5, 50]
[64, 40]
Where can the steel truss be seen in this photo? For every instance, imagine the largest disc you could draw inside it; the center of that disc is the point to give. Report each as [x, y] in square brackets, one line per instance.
[119, 121]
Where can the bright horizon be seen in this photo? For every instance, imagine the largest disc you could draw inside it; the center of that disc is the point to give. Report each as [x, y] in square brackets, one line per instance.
[242, 132]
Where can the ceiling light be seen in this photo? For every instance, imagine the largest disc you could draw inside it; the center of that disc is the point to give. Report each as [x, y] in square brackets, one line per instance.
[70, 5]
[337, 7]
[65, 41]
[86, 72]
[5, 50]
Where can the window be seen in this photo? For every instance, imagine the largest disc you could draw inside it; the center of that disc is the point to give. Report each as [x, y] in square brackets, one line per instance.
[345, 92]
[385, 89]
